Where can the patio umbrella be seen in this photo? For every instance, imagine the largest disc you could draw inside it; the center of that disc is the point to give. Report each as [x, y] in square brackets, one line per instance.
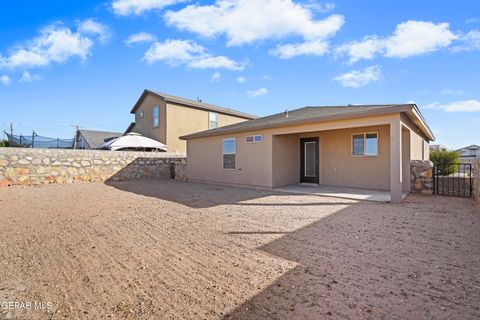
[133, 141]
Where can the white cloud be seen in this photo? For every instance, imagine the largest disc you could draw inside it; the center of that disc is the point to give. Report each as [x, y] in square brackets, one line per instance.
[418, 37]
[176, 52]
[141, 37]
[216, 62]
[366, 48]
[313, 48]
[456, 106]
[27, 77]
[410, 38]
[469, 42]
[247, 21]
[359, 78]
[92, 27]
[257, 93]
[472, 20]
[241, 79]
[5, 80]
[216, 77]
[453, 92]
[55, 44]
[137, 7]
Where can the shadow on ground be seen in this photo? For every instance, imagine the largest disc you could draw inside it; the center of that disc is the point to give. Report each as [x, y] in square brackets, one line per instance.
[380, 262]
[201, 195]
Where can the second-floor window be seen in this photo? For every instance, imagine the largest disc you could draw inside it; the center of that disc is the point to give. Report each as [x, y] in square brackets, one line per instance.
[156, 115]
[212, 120]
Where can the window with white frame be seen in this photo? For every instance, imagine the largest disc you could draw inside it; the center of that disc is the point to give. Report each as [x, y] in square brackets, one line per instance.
[254, 138]
[156, 115]
[212, 120]
[365, 144]
[229, 151]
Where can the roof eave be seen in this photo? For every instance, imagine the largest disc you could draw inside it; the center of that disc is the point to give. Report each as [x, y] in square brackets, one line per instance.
[146, 92]
[424, 126]
[213, 132]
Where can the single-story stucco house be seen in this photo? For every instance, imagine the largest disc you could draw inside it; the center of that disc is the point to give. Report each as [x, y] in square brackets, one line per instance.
[362, 146]
[93, 139]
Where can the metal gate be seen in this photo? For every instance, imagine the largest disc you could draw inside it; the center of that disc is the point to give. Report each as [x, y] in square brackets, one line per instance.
[453, 179]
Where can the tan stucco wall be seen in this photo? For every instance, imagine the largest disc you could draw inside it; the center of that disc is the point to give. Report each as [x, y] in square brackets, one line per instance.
[419, 149]
[182, 120]
[286, 160]
[144, 125]
[253, 161]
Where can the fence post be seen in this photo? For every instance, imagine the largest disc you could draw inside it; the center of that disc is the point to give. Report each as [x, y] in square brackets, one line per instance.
[33, 138]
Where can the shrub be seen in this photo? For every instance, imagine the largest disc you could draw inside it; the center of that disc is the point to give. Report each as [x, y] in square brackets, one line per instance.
[4, 143]
[445, 160]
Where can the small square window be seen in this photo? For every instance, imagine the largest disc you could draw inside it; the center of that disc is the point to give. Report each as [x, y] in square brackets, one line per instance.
[255, 138]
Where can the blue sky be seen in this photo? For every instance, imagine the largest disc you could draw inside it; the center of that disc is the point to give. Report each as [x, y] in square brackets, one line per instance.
[86, 62]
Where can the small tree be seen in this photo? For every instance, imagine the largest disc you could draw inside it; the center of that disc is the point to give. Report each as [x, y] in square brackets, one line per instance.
[445, 160]
[4, 143]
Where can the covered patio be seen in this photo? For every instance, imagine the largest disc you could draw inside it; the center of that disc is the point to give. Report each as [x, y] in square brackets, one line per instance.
[338, 192]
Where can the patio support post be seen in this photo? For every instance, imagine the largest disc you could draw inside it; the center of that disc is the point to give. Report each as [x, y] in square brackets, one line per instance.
[395, 161]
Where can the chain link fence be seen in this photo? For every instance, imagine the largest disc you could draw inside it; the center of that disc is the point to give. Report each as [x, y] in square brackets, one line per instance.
[36, 141]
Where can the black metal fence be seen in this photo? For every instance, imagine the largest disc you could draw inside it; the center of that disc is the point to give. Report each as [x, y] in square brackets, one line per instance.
[36, 141]
[453, 179]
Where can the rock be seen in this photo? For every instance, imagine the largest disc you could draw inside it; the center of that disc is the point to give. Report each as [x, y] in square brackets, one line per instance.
[86, 163]
[4, 163]
[46, 161]
[5, 183]
[22, 171]
[41, 170]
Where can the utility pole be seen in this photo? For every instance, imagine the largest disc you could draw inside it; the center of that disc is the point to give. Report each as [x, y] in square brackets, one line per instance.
[11, 129]
[76, 126]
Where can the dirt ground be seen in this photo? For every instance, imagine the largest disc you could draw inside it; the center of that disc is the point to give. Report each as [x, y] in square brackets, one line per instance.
[170, 250]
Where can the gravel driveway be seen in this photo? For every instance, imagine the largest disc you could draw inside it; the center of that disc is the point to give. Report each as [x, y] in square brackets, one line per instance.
[170, 250]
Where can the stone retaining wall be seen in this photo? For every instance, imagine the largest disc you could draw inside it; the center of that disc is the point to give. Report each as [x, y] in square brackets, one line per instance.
[421, 177]
[39, 166]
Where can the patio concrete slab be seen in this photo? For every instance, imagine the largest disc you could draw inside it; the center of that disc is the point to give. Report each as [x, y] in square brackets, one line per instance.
[338, 192]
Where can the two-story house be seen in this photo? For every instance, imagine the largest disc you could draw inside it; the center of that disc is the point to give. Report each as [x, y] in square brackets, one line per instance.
[468, 152]
[166, 118]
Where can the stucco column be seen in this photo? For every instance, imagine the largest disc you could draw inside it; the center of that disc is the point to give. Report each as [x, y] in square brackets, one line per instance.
[395, 161]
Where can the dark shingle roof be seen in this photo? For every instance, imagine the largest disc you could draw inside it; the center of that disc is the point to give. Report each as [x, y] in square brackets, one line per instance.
[193, 103]
[306, 114]
[96, 138]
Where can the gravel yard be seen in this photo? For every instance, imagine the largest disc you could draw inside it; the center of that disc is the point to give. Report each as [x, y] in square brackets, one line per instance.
[170, 250]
